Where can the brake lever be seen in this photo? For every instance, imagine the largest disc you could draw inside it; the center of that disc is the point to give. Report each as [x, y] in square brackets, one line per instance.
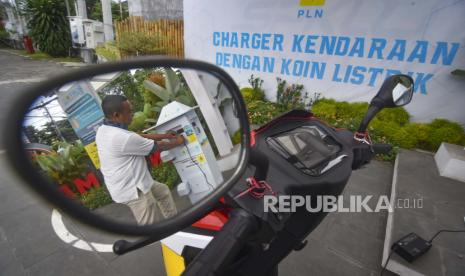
[362, 149]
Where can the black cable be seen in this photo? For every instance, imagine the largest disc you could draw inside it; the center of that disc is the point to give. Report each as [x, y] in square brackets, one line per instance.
[192, 159]
[430, 241]
[445, 230]
[385, 264]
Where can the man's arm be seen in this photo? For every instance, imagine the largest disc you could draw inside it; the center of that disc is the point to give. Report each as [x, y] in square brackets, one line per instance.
[158, 137]
[163, 145]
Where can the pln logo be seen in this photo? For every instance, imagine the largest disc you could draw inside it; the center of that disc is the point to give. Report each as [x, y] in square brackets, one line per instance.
[306, 12]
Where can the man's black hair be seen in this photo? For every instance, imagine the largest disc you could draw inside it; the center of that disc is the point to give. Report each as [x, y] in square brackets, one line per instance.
[112, 104]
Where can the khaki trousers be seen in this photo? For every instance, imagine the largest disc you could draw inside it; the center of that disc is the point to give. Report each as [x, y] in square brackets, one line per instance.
[145, 207]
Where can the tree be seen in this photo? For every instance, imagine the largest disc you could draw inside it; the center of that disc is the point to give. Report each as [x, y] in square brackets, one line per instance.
[31, 134]
[67, 130]
[125, 85]
[95, 10]
[48, 25]
[48, 134]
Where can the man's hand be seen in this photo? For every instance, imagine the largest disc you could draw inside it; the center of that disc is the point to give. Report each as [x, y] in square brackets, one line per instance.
[180, 139]
[171, 134]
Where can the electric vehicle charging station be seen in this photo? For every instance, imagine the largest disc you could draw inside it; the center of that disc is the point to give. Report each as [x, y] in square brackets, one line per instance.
[86, 35]
[195, 162]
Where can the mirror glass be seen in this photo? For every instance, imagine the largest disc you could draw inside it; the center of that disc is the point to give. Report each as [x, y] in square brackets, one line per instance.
[135, 146]
[402, 91]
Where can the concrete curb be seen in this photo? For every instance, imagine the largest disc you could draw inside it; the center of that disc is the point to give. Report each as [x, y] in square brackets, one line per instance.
[14, 53]
[393, 265]
[390, 219]
[62, 63]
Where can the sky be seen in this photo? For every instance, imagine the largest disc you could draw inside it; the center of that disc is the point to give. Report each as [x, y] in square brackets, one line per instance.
[38, 117]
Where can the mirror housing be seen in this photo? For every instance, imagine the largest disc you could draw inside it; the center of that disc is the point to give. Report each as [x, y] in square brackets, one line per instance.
[397, 90]
[48, 190]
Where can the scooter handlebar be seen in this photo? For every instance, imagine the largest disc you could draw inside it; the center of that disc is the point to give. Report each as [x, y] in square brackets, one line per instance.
[363, 153]
[222, 250]
[381, 148]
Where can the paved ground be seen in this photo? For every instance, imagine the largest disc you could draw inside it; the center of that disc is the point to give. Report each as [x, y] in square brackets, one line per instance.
[28, 244]
[344, 244]
[443, 208]
[347, 243]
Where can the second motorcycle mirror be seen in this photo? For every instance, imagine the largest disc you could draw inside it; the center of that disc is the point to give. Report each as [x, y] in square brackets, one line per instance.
[135, 146]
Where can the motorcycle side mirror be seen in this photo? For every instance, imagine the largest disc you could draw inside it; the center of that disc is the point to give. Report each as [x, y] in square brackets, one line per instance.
[108, 131]
[397, 90]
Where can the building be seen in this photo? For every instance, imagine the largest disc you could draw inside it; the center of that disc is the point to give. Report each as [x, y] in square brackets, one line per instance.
[156, 9]
[13, 22]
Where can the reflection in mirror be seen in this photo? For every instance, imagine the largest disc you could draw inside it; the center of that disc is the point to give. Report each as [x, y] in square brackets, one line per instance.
[136, 146]
[402, 91]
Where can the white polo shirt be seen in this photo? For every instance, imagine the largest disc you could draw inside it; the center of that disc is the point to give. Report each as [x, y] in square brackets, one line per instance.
[122, 159]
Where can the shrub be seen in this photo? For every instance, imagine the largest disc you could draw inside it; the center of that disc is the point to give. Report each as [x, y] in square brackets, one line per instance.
[108, 51]
[383, 128]
[139, 43]
[48, 25]
[429, 136]
[404, 138]
[261, 112]
[325, 109]
[289, 97]
[444, 131]
[340, 114]
[397, 115]
[95, 198]
[68, 163]
[412, 135]
[249, 94]
[351, 110]
[391, 125]
[174, 89]
[236, 138]
[256, 84]
[166, 173]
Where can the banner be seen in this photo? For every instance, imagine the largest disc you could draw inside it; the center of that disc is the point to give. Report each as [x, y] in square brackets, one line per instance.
[82, 107]
[342, 49]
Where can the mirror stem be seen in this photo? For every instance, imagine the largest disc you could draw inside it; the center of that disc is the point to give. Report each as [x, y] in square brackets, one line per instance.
[369, 115]
[121, 247]
[261, 163]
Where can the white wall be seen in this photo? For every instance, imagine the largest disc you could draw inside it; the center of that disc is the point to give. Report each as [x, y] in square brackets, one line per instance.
[439, 94]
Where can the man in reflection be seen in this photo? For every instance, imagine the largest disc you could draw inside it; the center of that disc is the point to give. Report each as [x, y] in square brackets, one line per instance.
[123, 164]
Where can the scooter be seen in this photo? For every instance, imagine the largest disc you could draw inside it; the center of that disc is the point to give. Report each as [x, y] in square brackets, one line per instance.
[295, 154]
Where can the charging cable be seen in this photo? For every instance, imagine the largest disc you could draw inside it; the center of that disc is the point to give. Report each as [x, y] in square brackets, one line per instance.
[192, 159]
[430, 241]
[445, 230]
[387, 261]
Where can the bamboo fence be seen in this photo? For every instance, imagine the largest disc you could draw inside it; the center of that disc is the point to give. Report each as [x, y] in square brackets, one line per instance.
[171, 32]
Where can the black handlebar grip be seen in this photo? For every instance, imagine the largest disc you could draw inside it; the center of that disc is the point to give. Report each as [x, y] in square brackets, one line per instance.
[120, 247]
[381, 148]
